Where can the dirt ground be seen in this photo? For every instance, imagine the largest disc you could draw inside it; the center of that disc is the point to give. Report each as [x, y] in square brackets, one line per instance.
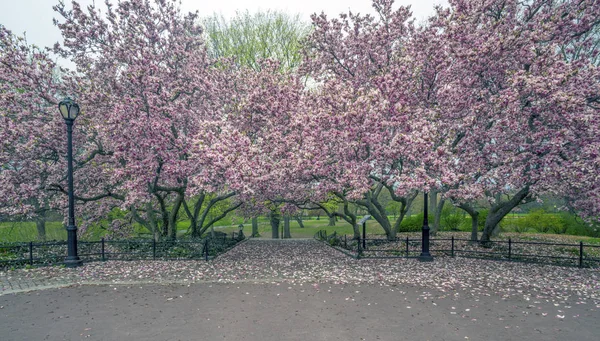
[283, 311]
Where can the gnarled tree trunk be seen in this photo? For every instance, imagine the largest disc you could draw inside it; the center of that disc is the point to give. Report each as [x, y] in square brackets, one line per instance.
[474, 219]
[299, 220]
[254, 227]
[437, 216]
[331, 220]
[172, 229]
[40, 224]
[275, 218]
[286, 226]
[433, 201]
[499, 211]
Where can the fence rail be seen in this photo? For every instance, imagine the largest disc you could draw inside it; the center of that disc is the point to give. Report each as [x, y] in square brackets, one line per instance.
[102, 250]
[581, 255]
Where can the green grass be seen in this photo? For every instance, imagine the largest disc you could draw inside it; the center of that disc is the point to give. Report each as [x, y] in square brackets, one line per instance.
[27, 231]
[311, 227]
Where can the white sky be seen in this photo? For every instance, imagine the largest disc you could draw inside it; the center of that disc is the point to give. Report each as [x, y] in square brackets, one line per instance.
[35, 16]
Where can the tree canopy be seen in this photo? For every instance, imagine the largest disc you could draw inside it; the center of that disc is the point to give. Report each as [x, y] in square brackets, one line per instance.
[489, 99]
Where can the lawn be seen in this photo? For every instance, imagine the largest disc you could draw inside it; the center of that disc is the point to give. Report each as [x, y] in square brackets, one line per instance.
[55, 230]
[26, 231]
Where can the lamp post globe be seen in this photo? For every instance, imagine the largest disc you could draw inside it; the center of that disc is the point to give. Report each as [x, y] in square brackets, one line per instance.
[69, 111]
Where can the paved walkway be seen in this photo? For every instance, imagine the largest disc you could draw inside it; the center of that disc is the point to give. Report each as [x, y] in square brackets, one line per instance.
[10, 285]
[300, 289]
[281, 311]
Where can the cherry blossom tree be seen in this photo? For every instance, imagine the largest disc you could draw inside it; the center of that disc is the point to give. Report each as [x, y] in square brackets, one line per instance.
[375, 133]
[32, 134]
[262, 129]
[518, 97]
[150, 93]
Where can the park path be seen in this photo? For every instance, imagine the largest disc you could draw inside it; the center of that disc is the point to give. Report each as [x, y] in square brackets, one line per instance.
[274, 290]
[307, 261]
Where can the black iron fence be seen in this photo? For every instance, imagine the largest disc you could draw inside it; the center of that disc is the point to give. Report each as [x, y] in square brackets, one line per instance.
[566, 254]
[101, 250]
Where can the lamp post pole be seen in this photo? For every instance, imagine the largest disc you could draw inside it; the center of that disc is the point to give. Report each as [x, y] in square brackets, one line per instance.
[425, 255]
[70, 110]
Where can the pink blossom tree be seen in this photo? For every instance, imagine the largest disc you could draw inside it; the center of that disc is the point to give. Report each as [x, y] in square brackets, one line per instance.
[518, 97]
[263, 130]
[32, 134]
[149, 91]
[375, 134]
[29, 134]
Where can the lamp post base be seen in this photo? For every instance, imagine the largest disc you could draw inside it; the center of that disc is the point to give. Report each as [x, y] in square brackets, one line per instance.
[73, 262]
[425, 257]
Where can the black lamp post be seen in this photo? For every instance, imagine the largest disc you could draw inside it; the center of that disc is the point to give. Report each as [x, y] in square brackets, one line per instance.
[425, 255]
[70, 110]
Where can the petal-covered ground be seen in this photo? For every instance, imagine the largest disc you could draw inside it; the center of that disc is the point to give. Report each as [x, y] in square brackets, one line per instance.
[301, 289]
[308, 261]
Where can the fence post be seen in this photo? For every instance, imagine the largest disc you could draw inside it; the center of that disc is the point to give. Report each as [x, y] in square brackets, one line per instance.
[509, 248]
[153, 249]
[452, 246]
[31, 253]
[580, 254]
[102, 249]
[407, 247]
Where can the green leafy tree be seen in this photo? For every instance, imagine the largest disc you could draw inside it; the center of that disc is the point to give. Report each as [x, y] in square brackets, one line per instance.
[251, 37]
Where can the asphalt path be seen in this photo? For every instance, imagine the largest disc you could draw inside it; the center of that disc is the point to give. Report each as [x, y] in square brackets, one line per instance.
[283, 311]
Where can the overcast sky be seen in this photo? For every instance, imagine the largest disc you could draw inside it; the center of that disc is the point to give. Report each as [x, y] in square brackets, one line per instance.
[35, 16]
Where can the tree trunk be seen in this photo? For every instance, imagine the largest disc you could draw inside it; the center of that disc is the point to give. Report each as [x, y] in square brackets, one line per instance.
[173, 216]
[437, 216]
[331, 221]
[164, 215]
[286, 226]
[40, 224]
[299, 220]
[152, 222]
[433, 201]
[275, 218]
[499, 211]
[405, 204]
[474, 226]
[474, 219]
[254, 227]
[194, 224]
[378, 213]
[194, 228]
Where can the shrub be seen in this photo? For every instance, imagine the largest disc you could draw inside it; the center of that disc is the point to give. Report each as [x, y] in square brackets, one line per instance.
[544, 222]
[576, 226]
[334, 241]
[451, 218]
[481, 219]
[413, 223]
[514, 223]
[465, 225]
[519, 227]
